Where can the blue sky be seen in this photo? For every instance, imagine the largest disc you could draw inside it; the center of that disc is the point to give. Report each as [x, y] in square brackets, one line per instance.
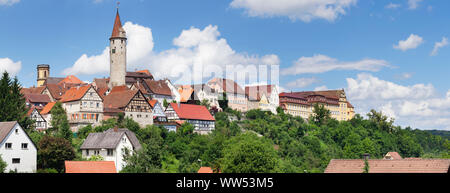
[353, 44]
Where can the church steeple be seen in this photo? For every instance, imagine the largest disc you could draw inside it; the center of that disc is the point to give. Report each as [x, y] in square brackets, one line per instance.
[118, 31]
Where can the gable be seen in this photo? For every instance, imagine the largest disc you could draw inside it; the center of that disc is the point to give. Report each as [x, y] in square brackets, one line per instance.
[11, 131]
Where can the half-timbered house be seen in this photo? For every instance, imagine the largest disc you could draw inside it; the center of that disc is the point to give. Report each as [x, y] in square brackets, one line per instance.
[83, 106]
[130, 102]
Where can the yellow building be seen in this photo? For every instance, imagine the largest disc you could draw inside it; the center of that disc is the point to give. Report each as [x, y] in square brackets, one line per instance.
[43, 72]
[302, 103]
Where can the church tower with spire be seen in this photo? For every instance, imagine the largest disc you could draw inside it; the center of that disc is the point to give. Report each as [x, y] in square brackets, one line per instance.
[118, 54]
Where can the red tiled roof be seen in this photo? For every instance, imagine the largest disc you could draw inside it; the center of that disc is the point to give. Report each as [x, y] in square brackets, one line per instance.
[90, 167]
[71, 79]
[205, 170]
[185, 92]
[390, 166]
[119, 99]
[153, 103]
[117, 27]
[393, 155]
[192, 112]
[101, 82]
[47, 108]
[119, 88]
[146, 72]
[75, 93]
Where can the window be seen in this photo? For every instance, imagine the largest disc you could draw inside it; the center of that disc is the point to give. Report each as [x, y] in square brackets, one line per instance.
[98, 105]
[87, 152]
[113, 50]
[24, 145]
[16, 160]
[110, 152]
[8, 145]
[96, 152]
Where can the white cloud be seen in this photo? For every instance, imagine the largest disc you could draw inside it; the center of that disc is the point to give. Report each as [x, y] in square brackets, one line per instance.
[197, 53]
[322, 63]
[412, 42]
[321, 88]
[302, 82]
[439, 45]
[367, 86]
[10, 66]
[304, 10]
[8, 2]
[418, 105]
[413, 4]
[392, 6]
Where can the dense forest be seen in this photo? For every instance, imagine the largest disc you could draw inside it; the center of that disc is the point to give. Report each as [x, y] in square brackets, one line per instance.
[252, 142]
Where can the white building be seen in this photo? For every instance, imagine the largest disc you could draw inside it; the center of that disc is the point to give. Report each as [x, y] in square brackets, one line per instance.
[17, 149]
[110, 145]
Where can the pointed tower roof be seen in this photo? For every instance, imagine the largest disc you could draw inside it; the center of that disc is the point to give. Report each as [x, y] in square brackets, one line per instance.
[118, 31]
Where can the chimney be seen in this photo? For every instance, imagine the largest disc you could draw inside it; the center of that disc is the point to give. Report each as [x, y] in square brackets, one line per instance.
[116, 129]
[366, 156]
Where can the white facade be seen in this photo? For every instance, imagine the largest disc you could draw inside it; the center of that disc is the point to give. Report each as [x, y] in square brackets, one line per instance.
[18, 151]
[115, 155]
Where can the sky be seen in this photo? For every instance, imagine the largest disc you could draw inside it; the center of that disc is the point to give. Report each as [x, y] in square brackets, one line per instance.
[388, 55]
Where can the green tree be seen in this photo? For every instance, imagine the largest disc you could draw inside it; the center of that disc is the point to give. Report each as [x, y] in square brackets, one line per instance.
[53, 151]
[60, 123]
[146, 160]
[12, 103]
[165, 103]
[3, 165]
[248, 153]
[223, 102]
[205, 103]
[320, 114]
[381, 121]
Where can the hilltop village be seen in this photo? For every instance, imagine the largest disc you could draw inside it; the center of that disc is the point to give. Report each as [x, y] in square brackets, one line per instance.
[137, 95]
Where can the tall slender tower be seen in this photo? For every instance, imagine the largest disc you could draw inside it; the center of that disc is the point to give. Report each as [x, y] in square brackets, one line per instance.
[43, 72]
[118, 54]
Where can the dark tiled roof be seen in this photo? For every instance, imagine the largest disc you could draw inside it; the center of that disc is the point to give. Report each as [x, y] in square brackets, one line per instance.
[5, 129]
[109, 139]
[53, 80]
[37, 98]
[158, 87]
[32, 90]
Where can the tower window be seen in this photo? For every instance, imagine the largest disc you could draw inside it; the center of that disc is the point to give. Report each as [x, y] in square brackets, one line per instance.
[113, 50]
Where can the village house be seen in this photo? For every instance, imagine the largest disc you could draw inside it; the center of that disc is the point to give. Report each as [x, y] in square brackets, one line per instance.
[17, 149]
[197, 115]
[83, 106]
[130, 102]
[391, 163]
[84, 167]
[40, 123]
[237, 99]
[302, 103]
[110, 145]
[46, 113]
[36, 100]
[193, 94]
[263, 97]
[158, 90]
